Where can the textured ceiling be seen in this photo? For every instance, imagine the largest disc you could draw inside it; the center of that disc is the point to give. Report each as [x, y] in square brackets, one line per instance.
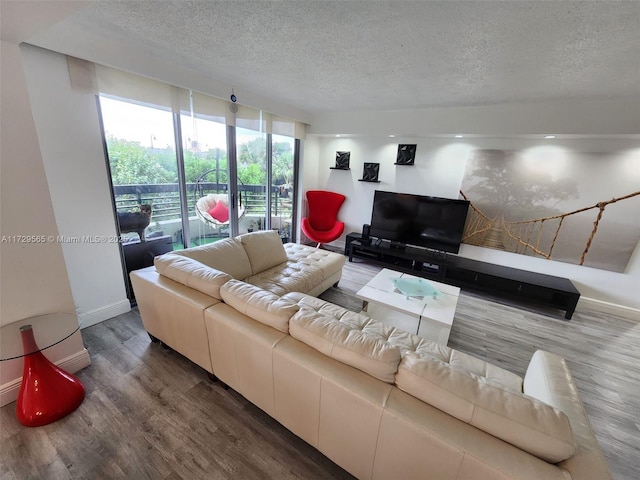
[357, 55]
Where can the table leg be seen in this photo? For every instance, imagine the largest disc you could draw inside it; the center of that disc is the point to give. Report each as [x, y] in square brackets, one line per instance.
[47, 392]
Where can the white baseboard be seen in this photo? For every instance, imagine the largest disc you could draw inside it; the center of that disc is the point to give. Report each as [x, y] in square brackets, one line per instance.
[98, 315]
[9, 391]
[613, 308]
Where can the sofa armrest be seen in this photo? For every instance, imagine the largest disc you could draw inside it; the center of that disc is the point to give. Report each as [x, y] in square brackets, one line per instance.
[174, 314]
[192, 273]
[549, 380]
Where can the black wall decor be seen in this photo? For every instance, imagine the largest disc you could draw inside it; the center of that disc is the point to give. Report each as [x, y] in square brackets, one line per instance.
[370, 173]
[406, 154]
[342, 161]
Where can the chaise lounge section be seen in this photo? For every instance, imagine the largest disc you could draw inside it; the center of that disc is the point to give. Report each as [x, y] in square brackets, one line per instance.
[380, 402]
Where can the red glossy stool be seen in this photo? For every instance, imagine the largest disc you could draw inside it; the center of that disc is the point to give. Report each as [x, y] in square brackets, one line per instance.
[47, 392]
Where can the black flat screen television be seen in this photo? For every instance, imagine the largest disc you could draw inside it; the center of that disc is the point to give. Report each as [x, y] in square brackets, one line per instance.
[430, 222]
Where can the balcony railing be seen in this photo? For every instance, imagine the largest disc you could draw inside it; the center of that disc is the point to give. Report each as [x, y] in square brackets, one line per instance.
[165, 199]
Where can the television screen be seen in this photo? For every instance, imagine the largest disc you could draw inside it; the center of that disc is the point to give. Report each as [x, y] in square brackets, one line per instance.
[430, 222]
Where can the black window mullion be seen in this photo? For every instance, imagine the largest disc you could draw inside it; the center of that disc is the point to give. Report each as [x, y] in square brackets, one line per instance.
[269, 180]
[232, 165]
[297, 148]
[182, 181]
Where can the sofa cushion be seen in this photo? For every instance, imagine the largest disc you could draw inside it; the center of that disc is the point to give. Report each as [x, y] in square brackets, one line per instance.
[263, 306]
[264, 250]
[304, 269]
[287, 277]
[226, 255]
[328, 263]
[322, 329]
[191, 273]
[489, 399]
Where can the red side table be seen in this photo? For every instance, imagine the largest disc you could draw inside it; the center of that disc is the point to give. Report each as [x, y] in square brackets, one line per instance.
[47, 392]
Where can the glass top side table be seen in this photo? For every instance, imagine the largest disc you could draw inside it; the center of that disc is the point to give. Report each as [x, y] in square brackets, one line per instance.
[47, 392]
[66, 324]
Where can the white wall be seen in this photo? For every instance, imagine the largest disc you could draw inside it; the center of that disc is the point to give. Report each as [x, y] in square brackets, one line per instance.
[33, 276]
[619, 117]
[439, 171]
[73, 156]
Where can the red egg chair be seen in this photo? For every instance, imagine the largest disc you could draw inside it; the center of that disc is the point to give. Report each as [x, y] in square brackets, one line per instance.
[321, 224]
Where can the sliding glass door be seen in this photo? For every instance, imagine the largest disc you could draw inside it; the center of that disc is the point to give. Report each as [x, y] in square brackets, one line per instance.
[189, 171]
[207, 179]
[141, 151]
[283, 180]
[251, 148]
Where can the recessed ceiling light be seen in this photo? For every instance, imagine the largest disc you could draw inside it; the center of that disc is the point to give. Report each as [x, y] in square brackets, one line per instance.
[392, 136]
[459, 136]
[549, 136]
[338, 135]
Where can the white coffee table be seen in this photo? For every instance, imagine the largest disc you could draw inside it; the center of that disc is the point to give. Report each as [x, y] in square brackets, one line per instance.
[427, 317]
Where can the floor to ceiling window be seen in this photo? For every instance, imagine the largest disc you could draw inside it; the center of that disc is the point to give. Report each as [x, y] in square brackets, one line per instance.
[283, 182]
[144, 170]
[140, 142]
[191, 169]
[207, 179]
[251, 148]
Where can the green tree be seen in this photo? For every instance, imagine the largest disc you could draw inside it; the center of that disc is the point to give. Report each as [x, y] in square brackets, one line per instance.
[252, 174]
[196, 165]
[251, 162]
[131, 163]
[282, 163]
[254, 153]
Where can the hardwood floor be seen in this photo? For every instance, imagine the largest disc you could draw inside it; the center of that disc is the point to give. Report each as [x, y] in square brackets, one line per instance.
[151, 414]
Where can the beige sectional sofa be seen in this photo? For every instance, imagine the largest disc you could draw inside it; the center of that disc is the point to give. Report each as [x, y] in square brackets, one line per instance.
[173, 294]
[380, 402]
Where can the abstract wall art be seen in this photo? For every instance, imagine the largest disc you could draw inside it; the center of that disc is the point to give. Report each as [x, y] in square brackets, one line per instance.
[406, 154]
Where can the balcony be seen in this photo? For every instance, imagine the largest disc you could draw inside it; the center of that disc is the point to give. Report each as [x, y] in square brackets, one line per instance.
[166, 217]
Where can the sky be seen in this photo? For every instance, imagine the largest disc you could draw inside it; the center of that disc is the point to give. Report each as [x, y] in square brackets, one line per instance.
[153, 127]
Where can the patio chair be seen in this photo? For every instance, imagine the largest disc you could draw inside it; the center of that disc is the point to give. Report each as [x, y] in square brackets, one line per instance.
[213, 210]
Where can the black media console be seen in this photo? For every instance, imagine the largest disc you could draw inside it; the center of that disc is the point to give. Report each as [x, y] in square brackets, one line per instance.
[502, 281]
